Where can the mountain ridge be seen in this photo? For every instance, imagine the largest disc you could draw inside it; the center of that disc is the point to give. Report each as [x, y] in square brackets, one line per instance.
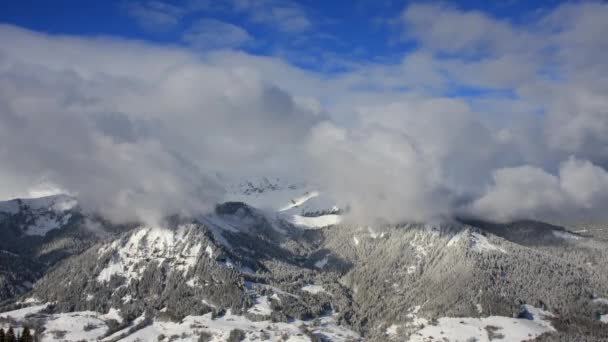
[338, 282]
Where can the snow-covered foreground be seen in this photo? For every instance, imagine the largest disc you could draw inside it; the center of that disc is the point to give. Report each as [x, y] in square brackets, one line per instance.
[219, 329]
[91, 326]
[74, 326]
[483, 329]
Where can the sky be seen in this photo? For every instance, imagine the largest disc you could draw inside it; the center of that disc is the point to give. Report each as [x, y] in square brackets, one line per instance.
[400, 110]
[318, 35]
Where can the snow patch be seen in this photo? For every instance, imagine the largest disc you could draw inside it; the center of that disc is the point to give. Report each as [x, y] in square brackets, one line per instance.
[261, 306]
[321, 263]
[113, 314]
[76, 326]
[208, 304]
[373, 234]
[45, 223]
[209, 251]
[392, 330]
[314, 289]
[29, 300]
[455, 239]
[480, 243]
[465, 328]
[192, 282]
[124, 331]
[420, 248]
[298, 201]
[276, 297]
[601, 301]
[316, 221]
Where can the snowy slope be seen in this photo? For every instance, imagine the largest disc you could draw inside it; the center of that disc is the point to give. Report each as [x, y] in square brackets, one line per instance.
[483, 329]
[74, 326]
[20, 314]
[219, 329]
[92, 326]
[480, 243]
[151, 243]
[40, 215]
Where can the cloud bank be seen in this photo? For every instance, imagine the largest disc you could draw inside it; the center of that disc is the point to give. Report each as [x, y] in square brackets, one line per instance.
[483, 118]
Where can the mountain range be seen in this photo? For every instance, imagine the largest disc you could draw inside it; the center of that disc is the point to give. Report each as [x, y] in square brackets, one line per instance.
[279, 262]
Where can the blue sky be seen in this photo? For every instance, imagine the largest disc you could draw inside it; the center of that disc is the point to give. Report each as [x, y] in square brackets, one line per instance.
[323, 35]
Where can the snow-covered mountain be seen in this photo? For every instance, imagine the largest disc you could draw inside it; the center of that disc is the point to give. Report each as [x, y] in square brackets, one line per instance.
[250, 270]
[37, 233]
[38, 216]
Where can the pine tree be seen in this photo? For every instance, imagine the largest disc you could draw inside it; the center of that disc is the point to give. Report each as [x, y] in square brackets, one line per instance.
[26, 336]
[10, 335]
[2, 337]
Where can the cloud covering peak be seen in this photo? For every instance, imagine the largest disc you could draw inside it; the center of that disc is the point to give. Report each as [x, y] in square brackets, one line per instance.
[504, 122]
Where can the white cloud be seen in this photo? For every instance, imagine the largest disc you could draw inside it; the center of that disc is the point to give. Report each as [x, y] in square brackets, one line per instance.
[136, 137]
[211, 33]
[146, 128]
[467, 33]
[586, 184]
[369, 170]
[579, 191]
[518, 192]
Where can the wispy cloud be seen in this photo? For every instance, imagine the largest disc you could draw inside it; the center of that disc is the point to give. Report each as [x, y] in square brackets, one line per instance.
[154, 15]
[283, 15]
[211, 34]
